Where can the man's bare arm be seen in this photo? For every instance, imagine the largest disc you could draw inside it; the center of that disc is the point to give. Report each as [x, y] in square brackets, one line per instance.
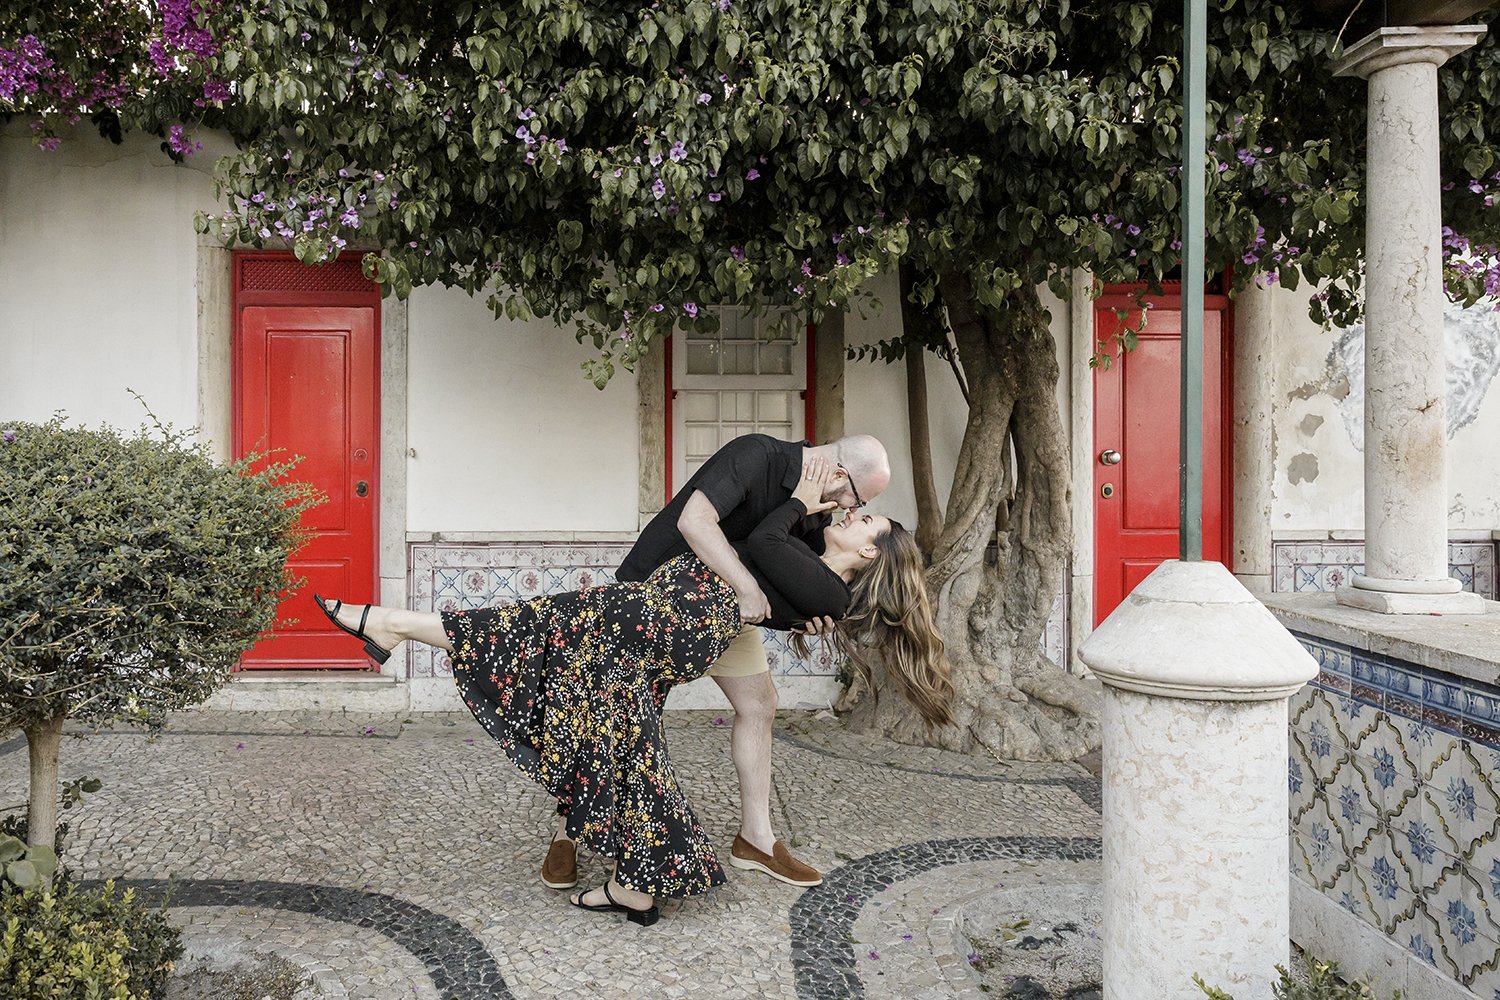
[699, 525]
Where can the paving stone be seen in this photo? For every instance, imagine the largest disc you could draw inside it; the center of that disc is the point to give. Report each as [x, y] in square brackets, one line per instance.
[398, 856]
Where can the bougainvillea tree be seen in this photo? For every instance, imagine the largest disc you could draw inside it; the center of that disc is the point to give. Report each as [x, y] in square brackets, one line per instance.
[620, 167]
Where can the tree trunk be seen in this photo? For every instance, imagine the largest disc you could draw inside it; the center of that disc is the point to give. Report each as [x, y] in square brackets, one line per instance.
[929, 511]
[992, 606]
[42, 742]
[921, 327]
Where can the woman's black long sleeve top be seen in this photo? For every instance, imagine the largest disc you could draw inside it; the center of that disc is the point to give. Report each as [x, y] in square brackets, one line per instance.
[796, 582]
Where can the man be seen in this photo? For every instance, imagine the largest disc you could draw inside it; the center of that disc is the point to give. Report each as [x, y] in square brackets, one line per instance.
[724, 502]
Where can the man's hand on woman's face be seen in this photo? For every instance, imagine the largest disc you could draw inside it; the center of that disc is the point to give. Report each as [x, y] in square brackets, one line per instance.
[817, 474]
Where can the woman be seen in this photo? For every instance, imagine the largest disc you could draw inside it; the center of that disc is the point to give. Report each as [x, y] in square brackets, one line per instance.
[571, 685]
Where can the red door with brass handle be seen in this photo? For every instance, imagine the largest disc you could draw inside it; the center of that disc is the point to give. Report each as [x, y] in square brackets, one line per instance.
[1137, 404]
[307, 369]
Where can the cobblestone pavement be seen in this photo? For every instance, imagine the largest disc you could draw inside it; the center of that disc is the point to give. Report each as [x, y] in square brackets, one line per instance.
[398, 857]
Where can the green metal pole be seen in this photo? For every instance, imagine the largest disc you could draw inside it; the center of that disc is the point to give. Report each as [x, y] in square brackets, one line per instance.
[1194, 155]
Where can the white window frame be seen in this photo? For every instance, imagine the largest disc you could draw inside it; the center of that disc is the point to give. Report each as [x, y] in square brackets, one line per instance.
[685, 386]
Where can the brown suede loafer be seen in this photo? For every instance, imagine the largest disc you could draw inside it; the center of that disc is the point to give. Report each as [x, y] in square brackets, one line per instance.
[779, 864]
[560, 870]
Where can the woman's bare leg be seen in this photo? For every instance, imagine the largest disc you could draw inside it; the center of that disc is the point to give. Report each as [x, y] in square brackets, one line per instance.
[623, 896]
[388, 626]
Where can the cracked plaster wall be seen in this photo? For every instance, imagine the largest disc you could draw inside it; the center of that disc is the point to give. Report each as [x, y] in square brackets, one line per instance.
[1319, 420]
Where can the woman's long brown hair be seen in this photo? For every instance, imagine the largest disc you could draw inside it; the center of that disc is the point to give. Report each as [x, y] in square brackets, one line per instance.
[890, 619]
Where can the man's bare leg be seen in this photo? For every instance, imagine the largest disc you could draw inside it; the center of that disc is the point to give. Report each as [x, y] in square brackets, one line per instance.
[754, 702]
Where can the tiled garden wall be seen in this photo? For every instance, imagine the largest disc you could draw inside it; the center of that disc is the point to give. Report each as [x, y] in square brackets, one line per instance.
[1395, 804]
[1306, 566]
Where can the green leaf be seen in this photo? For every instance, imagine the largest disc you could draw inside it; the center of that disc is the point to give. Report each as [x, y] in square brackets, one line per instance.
[11, 848]
[23, 874]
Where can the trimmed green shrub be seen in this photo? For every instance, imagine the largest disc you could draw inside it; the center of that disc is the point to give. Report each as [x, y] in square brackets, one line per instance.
[73, 944]
[134, 571]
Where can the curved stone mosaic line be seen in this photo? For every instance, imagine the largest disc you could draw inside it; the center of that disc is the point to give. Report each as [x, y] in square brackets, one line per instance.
[823, 918]
[1086, 788]
[459, 965]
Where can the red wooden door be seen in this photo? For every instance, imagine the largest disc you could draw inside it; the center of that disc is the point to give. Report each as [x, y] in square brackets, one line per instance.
[1137, 417]
[306, 380]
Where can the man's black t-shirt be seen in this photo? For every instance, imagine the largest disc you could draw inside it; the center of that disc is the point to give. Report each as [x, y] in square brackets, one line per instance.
[745, 480]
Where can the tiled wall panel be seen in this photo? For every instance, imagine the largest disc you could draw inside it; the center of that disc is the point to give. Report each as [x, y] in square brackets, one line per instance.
[1301, 566]
[1395, 805]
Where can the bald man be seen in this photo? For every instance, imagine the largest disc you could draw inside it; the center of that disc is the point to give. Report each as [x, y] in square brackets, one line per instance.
[724, 502]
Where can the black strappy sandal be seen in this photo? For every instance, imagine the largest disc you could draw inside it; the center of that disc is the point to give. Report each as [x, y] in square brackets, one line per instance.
[376, 653]
[643, 917]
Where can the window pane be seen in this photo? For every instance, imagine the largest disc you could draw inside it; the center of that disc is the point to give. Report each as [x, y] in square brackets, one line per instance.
[781, 431]
[702, 440]
[700, 406]
[739, 406]
[774, 406]
[731, 431]
[739, 359]
[736, 325]
[703, 357]
[776, 359]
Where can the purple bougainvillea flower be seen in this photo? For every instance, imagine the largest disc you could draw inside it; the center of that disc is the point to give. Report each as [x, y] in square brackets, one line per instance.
[737, 253]
[714, 196]
[658, 189]
[906, 936]
[8, 436]
[705, 98]
[526, 114]
[691, 308]
[752, 174]
[656, 159]
[678, 152]
[874, 955]
[657, 307]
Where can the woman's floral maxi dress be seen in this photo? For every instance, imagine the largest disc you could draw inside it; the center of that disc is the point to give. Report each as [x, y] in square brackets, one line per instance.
[571, 686]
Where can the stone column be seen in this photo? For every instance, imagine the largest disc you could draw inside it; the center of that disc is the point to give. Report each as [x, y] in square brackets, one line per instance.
[1406, 483]
[1254, 442]
[1196, 675]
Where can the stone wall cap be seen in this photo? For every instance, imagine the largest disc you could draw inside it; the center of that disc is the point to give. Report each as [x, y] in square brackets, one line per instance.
[1191, 630]
[1395, 46]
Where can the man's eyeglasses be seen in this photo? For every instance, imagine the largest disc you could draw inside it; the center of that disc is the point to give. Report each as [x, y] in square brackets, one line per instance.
[858, 503]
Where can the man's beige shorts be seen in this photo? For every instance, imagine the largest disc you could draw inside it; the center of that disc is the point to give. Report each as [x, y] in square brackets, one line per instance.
[745, 657]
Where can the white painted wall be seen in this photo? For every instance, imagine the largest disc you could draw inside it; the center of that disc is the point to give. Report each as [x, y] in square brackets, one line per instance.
[506, 435]
[97, 268]
[1318, 422]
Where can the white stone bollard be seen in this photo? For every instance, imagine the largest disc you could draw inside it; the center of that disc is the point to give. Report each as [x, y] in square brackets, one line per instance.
[1197, 675]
